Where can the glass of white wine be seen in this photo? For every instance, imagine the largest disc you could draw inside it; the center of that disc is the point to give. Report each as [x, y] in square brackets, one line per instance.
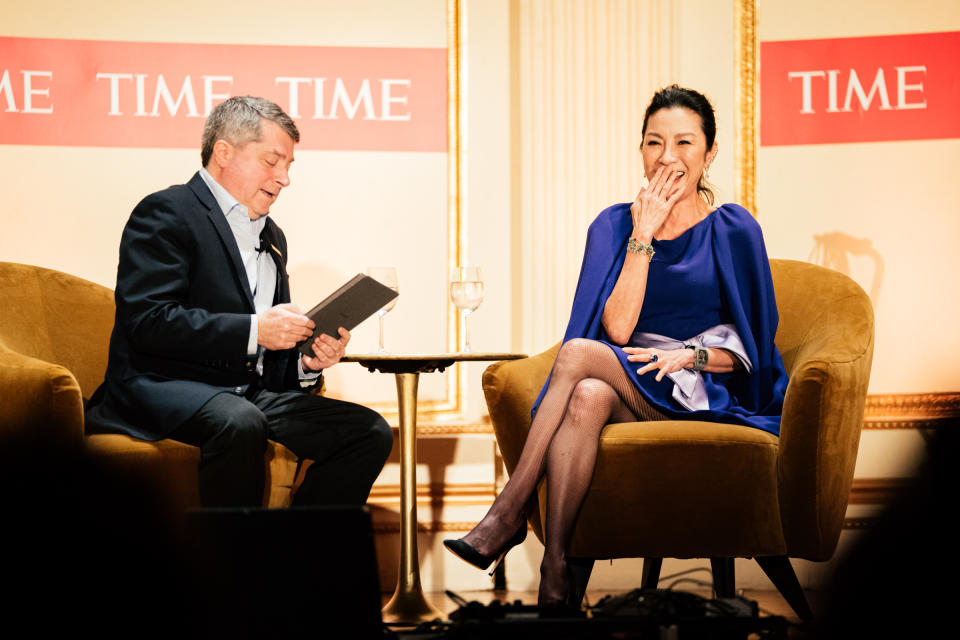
[466, 292]
[387, 276]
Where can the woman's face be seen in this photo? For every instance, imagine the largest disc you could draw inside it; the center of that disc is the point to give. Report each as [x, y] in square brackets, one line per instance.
[675, 141]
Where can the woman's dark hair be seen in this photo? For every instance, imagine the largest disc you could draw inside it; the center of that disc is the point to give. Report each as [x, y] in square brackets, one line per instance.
[677, 96]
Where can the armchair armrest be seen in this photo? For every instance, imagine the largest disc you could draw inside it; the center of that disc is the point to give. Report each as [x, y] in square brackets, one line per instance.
[39, 400]
[822, 419]
[510, 388]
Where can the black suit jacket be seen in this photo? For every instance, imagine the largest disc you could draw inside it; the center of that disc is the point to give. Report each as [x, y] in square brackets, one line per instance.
[183, 316]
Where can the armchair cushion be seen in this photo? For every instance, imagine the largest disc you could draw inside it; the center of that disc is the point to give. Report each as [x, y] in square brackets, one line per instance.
[706, 488]
[174, 465]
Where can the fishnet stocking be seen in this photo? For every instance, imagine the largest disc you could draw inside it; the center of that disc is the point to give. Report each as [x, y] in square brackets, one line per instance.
[588, 389]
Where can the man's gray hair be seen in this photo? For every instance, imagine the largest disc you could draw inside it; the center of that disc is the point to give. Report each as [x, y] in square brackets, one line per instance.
[237, 120]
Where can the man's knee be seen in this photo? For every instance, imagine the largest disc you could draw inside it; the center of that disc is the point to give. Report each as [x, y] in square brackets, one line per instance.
[381, 435]
[244, 426]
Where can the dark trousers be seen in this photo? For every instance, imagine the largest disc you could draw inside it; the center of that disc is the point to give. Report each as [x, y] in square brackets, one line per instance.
[347, 443]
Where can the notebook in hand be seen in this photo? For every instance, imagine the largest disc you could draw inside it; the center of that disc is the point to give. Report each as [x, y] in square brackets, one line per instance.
[347, 307]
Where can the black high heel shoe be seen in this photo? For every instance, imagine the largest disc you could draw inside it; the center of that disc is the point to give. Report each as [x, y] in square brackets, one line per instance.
[467, 553]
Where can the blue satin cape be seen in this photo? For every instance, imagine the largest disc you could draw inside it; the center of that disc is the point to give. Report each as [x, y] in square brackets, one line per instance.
[740, 258]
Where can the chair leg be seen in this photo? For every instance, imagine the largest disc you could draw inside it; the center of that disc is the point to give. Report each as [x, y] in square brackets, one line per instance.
[651, 573]
[783, 577]
[580, 569]
[724, 579]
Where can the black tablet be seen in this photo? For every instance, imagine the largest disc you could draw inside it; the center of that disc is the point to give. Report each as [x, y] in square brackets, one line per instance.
[347, 307]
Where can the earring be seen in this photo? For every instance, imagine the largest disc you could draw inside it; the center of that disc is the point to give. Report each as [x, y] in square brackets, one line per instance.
[706, 172]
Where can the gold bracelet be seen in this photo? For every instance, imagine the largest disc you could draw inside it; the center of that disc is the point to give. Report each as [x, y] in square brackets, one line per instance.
[635, 246]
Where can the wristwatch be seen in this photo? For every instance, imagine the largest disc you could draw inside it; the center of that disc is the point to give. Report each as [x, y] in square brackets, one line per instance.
[700, 357]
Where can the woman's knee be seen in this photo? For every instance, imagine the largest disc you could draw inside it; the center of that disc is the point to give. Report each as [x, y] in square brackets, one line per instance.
[591, 398]
[574, 356]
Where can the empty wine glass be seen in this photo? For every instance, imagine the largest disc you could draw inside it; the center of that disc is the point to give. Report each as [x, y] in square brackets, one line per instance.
[387, 276]
[466, 292]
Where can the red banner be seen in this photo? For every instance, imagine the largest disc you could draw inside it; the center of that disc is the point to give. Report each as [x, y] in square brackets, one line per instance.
[140, 94]
[902, 87]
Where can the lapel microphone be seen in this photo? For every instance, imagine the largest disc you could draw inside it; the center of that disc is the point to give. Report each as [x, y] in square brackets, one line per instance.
[264, 240]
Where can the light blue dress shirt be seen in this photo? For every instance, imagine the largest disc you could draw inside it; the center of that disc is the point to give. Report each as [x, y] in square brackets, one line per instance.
[260, 268]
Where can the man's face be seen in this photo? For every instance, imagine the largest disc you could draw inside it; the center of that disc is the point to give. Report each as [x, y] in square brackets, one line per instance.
[255, 173]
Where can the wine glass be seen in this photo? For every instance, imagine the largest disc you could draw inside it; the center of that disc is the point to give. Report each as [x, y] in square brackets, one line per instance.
[387, 276]
[466, 292]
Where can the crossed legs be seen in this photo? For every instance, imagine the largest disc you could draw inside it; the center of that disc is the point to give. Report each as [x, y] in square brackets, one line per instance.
[588, 389]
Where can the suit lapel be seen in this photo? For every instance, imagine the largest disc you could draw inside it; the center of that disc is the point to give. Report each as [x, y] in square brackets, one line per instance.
[220, 223]
[270, 241]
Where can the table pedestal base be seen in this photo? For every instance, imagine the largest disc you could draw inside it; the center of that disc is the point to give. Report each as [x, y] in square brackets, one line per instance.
[410, 606]
[408, 603]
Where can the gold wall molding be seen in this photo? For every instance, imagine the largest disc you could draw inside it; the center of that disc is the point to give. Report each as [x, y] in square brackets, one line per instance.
[451, 429]
[456, 227]
[877, 491]
[460, 494]
[855, 524]
[447, 527]
[425, 527]
[882, 411]
[870, 491]
[747, 96]
[385, 498]
[910, 410]
[859, 523]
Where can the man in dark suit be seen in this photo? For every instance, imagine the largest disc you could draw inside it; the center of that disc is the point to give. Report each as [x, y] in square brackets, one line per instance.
[203, 347]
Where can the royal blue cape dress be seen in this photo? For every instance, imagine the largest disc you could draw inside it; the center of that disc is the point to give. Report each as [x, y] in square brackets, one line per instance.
[726, 247]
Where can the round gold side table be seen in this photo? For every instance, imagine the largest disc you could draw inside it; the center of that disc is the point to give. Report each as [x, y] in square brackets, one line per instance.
[408, 603]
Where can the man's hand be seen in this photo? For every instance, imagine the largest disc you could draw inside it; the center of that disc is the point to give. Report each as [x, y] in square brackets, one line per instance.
[327, 351]
[282, 327]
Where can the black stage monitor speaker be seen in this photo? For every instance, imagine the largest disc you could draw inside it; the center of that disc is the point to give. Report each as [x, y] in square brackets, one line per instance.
[301, 572]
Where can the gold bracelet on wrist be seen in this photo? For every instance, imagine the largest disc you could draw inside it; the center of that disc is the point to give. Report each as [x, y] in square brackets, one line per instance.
[636, 246]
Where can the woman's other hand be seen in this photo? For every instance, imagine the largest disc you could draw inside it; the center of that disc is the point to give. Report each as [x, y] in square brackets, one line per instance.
[666, 360]
[654, 203]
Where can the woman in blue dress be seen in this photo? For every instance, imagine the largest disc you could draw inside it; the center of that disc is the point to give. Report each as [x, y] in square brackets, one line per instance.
[673, 318]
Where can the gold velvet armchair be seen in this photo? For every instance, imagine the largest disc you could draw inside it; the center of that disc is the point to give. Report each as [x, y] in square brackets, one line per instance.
[683, 489]
[54, 335]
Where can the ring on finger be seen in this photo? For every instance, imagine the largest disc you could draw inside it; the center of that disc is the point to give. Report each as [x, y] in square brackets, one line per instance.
[654, 357]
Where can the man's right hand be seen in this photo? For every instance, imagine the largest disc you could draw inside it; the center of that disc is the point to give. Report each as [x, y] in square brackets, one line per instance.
[282, 327]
